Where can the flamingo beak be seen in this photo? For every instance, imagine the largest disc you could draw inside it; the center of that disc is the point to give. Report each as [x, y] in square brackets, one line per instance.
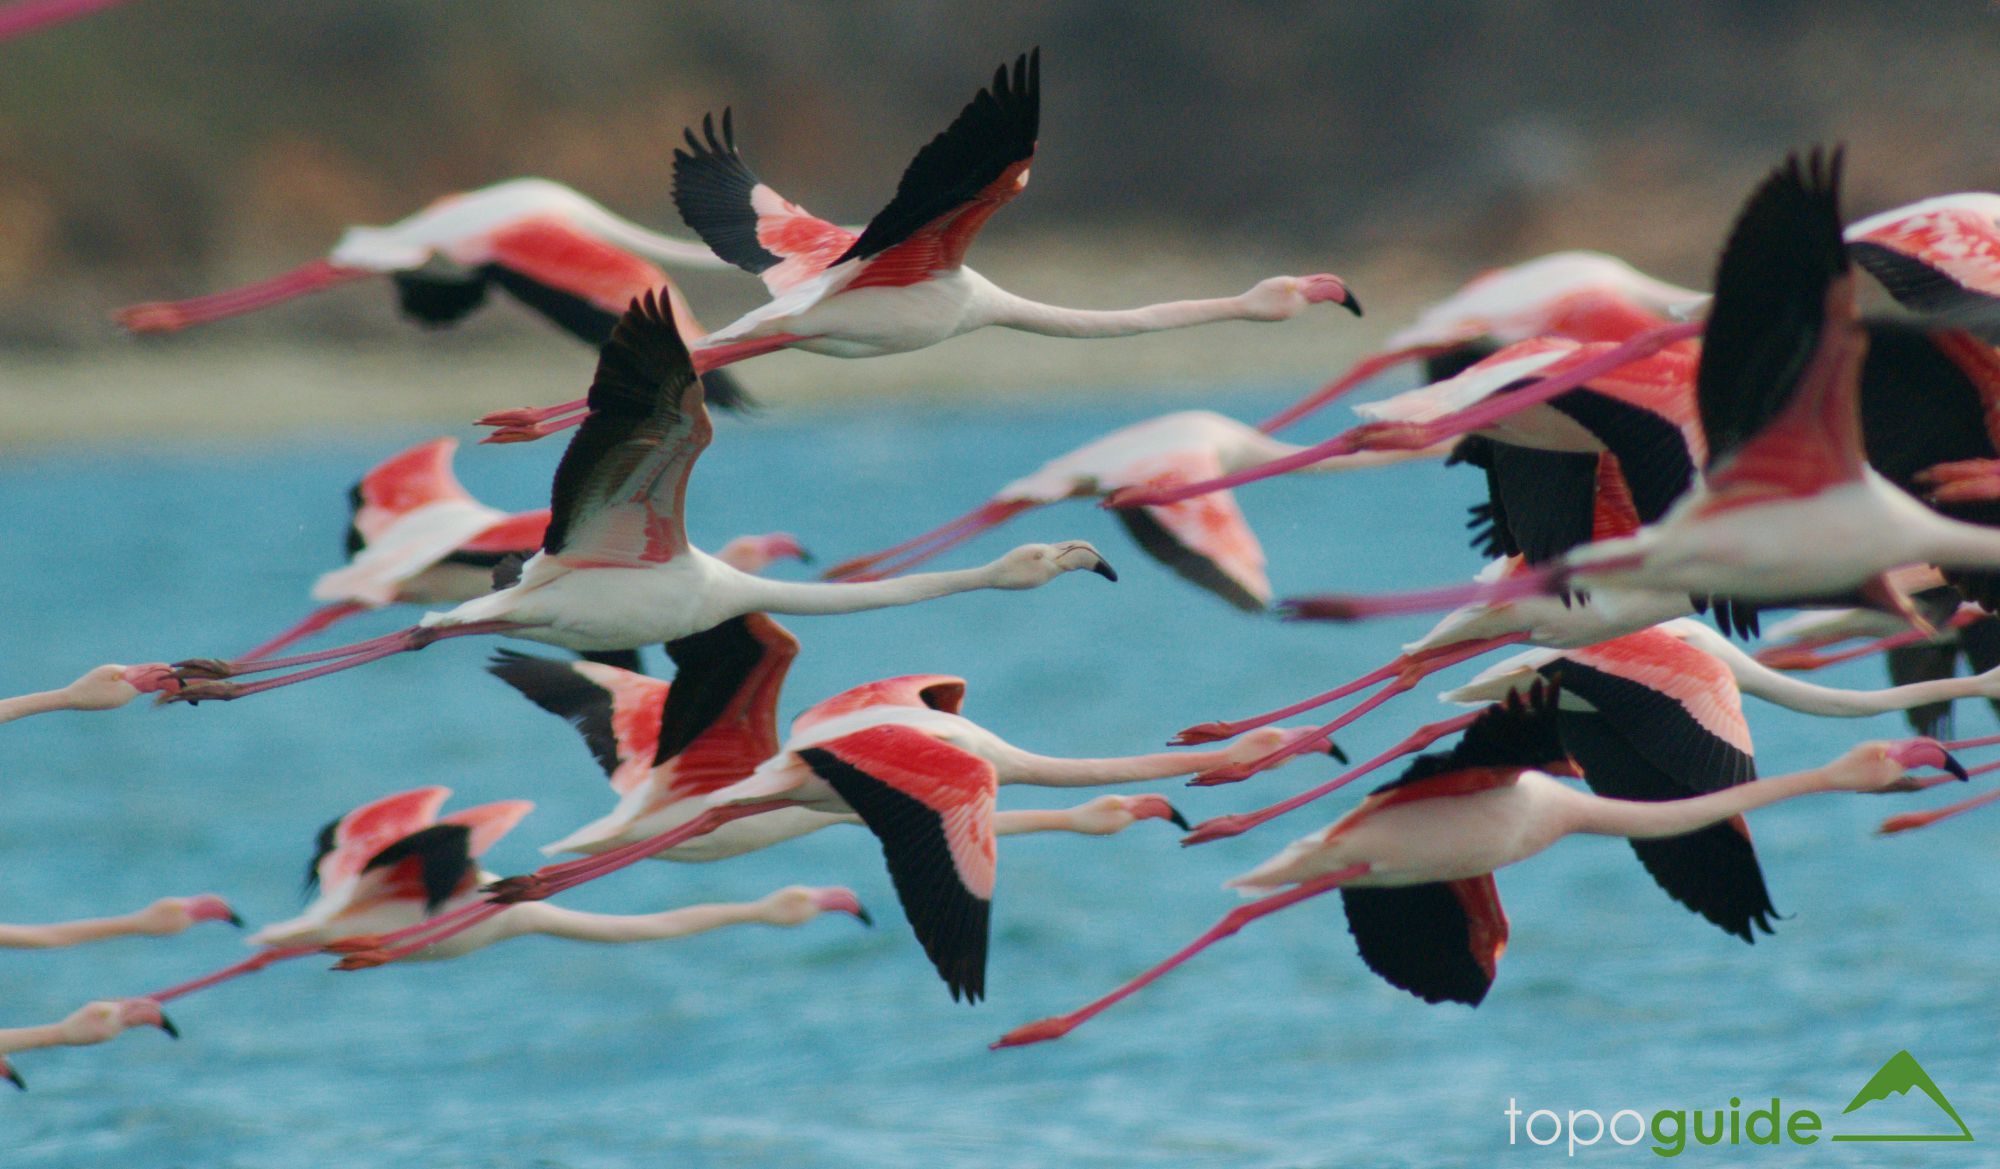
[13, 1077]
[1103, 568]
[209, 907]
[783, 545]
[147, 1013]
[837, 900]
[1156, 808]
[1324, 288]
[1927, 753]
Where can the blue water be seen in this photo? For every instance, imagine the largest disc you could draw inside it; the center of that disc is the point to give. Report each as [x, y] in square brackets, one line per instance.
[831, 1045]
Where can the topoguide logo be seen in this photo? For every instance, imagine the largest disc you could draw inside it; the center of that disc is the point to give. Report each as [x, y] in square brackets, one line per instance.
[1669, 1130]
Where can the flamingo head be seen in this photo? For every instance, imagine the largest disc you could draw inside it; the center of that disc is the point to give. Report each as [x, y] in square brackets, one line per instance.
[1108, 815]
[756, 553]
[106, 1019]
[1033, 565]
[1885, 766]
[209, 907]
[798, 904]
[1281, 298]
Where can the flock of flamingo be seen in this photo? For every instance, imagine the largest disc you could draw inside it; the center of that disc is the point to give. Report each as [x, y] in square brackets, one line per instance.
[1647, 453]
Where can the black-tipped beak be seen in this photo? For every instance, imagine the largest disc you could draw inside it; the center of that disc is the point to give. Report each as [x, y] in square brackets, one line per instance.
[236, 919]
[1352, 303]
[167, 1025]
[806, 557]
[862, 915]
[1103, 568]
[1179, 821]
[14, 1078]
[1955, 767]
[1333, 749]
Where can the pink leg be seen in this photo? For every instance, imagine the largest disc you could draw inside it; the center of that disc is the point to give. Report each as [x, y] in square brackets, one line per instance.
[375, 649]
[1235, 825]
[249, 965]
[1907, 821]
[1969, 744]
[1061, 1025]
[709, 356]
[1416, 436]
[323, 618]
[547, 881]
[1361, 371]
[529, 433]
[166, 316]
[1420, 668]
[886, 563]
[1533, 582]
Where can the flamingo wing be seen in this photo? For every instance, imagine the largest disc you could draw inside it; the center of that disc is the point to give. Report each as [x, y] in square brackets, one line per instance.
[1678, 705]
[1539, 504]
[955, 183]
[432, 863]
[1713, 871]
[721, 717]
[1940, 257]
[345, 845]
[744, 221]
[1441, 941]
[1781, 340]
[620, 489]
[1205, 540]
[931, 806]
[616, 711]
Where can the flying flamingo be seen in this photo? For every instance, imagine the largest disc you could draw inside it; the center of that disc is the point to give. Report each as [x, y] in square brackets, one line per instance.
[1789, 506]
[88, 1025]
[1580, 296]
[394, 862]
[418, 537]
[1415, 861]
[667, 748]
[616, 570]
[897, 753]
[901, 284]
[1205, 541]
[1939, 256]
[165, 917]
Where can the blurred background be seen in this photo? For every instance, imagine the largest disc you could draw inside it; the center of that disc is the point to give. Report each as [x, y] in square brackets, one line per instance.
[172, 147]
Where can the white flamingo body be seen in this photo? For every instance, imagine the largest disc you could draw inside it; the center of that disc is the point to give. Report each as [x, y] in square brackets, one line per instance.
[1514, 304]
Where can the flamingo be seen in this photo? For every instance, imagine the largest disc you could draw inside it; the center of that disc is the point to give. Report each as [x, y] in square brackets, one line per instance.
[1937, 256]
[1789, 506]
[1206, 541]
[901, 284]
[1577, 295]
[616, 570]
[393, 862]
[418, 537]
[105, 687]
[87, 1026]
[665, 749]
[1415, 861]
[896, 753]
[163, 918]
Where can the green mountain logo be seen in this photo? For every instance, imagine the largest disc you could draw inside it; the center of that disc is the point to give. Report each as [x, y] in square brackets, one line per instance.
[1898, 1077]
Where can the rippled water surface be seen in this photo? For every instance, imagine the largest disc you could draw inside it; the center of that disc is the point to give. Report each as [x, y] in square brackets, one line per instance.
[831, 1045]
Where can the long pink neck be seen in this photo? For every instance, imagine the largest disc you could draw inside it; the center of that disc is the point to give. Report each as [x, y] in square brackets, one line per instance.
[541, 917]
[1050, 320]
[1646, 820]
[1018, 766]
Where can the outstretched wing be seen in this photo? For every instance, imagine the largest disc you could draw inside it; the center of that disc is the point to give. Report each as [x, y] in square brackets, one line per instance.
[616, 711]
[931, 805]
[345, 845]
[622, 483]
[1204, 540]
[1441, 941]
[721, 717]
[1782, 332]
[1940, 257]
[956, 183]
[743, 220]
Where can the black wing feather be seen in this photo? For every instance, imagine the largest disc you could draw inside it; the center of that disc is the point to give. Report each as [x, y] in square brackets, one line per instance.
[1712, 871]
[1417, 938]
[445, 852]
[1770, 296]
[950, 923]
[557, 688]
[709, 668]
[323, 844]
[712, 189]
[1519, 732]
[994, 131]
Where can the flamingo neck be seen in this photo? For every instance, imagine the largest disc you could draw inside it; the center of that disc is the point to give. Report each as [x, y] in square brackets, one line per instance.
[1018, 766]
[1014, 312]
[757, 594]
[69, 933]
[1648, 820]
[1761, 681]
[40, 702]
[13, 1039]
[541, 917]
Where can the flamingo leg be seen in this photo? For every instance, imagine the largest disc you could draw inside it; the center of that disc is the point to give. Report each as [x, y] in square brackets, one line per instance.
[1356, 374]
[1060, 1025]
[372, 950]
[911, 553]
[1218, 827]
[1906, 821]
[206, 687]
[531, 432]
[250, 965]
[1532, 582]
[324, 617]
[708, 356]
[167, 316]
